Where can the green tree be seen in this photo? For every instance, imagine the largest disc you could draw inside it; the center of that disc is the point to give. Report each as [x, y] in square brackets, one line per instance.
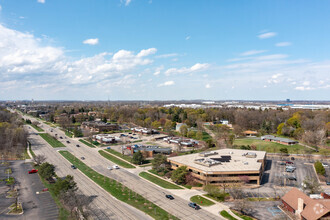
[73, 119]
[179, 175]
[199, 135]
[279, 128]
[191, 134]
[137, 158]
[155, 124]
[46, 170]
[28, 121]
[184, 130]
[160, 163]
[104, 120]
[63, 185]
[168, 126]
[77, 132]
[284, 151]
[319, 168]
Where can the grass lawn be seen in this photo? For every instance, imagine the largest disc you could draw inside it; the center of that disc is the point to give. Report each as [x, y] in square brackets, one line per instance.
[226, 215]
[26, 155]
[52, 141]
[124, 157]
[242, 216]
[37, 128]
[255, 199]
[119, 191]
[206, 136]
[115, 160]
[270, 147]
[87, 143]
[200, 200]
[162, 183]
[220, 199]
[68, 133]
[155, 172]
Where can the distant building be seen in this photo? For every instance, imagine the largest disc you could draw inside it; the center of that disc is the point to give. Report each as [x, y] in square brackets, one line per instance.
[186, 142]
[249, 133]
[279, 140]
[178, 126]
[106, 138]
[225, 166]
[297, 205]
[144, 130]
[149, 151]
[99, 126]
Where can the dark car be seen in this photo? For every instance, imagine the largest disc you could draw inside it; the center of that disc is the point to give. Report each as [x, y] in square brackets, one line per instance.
[33, 171]
[289, 170]
[328, 183]
[169, 197]
[77, 145]
[289, 162]
[68, 142]
[83, 158]
[61, 137]
[292, 158]
[282, 163]
[73, 167]
[194, 205]
[292, 178]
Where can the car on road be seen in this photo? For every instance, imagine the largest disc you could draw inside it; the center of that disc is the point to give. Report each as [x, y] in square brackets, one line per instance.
[325, 165]
[115, 167]
[108, 148]
[61, 137]
[33, 171]
[68, 142]
[109, 168]
[292, 178]
[83, 158]
[169, 197]
[194, 205]
[73, 166]
[77, 145]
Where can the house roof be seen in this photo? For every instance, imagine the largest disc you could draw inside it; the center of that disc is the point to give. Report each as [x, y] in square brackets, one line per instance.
[285, 140]
[314, 209]
[250, 132]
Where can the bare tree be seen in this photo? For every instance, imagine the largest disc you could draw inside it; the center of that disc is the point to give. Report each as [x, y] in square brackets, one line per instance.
[78, 205]
[244, 207]
[311, 185]
[39, 159]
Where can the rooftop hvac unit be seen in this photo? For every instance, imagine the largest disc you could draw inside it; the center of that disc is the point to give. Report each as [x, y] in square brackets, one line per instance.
[246, 163]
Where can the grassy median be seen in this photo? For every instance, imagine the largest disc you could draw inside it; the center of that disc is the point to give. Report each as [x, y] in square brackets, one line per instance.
[115, 160]
[163, 183]
[51, 140]
[37, 128]
[200, 200]
[226, 215]
[87, 143]
[119, 191]
[124, 157]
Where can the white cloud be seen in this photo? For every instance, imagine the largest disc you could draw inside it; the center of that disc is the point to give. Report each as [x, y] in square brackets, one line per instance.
[0, 7]
[41, 1]
[167, 55]
[277, 75]
[283, 44]
[252, 52]
[158, 69]
[183, 70]
[92, 41]
[272, 57]
[167, 83]
[188, 37]
[302, 88]
[306, 83]
[207, 86]
[126, 2]
[147, 52]
[267, 35]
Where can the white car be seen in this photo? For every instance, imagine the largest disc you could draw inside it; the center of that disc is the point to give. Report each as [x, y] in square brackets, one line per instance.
[115, 167]
[109, 168]
[325, 165]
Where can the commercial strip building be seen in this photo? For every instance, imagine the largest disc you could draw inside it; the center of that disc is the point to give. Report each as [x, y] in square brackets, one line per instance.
[279, 140]
[185, 142]
[98, 126]
[225, 166]
[149, 151]
[106, 138]
[144, 130]
[297, 204]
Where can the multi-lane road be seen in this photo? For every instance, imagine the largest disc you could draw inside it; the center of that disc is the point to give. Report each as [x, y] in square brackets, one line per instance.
[104, 206]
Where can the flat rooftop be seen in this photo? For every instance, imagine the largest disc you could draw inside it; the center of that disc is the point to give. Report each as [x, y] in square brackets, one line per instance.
[238, 160]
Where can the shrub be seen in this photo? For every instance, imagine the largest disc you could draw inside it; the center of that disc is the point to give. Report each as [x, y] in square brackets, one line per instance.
[319, 168]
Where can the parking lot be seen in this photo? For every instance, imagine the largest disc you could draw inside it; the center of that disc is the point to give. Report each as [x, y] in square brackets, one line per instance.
[275, 174]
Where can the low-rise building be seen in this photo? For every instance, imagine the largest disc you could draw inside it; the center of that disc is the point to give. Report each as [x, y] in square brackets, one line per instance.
[186, 142]
[149, 151]
[279, 140]
[144, 130]
[297, 204]
[225, 166]
[99, 126]
[106, 138]
[249, 133]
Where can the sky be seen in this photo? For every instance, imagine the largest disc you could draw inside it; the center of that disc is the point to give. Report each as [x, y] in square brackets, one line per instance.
[164, 50]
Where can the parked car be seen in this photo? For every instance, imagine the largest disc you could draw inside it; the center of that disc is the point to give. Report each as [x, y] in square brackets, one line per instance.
[281, 163]
[194, 205]
[77, 145]
[109, 168]
[292, 158]
[289, 170]
[115, 167]
[33, 171]
[292, 178]
[328, 183]
[289, 162]
[325, 165]
[73, 166]
[290, 167]
[68, 142]
[169, 197]
[83, 158]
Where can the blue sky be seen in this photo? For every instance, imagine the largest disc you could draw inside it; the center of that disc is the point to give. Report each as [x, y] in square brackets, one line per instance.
[162, 50]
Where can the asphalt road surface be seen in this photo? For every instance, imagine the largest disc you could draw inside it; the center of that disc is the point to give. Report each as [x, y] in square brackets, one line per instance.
[178, 207]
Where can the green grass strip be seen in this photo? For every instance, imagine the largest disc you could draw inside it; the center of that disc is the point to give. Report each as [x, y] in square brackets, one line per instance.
[119, 191]
[115, 160]
[37, 128]
[124, 157]
[162, 183]
[87, 143]
[51, 140]
[200, 200]
[242, 216]
[226, 215]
